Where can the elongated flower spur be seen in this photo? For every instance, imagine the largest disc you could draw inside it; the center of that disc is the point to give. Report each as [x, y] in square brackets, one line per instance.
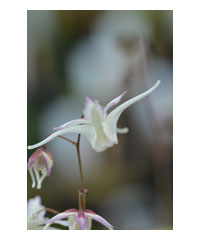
[98, 126]
[40, 163]
[79, 219]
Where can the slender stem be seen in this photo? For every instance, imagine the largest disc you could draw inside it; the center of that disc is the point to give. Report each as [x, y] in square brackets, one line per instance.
[79, 200]
[51, 210]
[79, 161]
[67, 139]
[48, 210]
[82, 193]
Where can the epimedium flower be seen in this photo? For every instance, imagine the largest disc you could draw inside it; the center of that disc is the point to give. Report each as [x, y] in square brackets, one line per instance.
[34, 220]
[98, 126]
[36, 215]
[79, 219]
[40, 165]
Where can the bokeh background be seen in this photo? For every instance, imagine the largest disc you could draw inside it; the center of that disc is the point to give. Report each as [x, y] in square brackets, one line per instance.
[73, 54]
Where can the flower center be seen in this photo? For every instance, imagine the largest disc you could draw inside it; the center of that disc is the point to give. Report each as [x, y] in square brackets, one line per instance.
[96, 118]
[40, 164]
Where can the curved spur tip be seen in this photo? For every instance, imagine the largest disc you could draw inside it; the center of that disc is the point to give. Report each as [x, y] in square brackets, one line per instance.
[158, 83]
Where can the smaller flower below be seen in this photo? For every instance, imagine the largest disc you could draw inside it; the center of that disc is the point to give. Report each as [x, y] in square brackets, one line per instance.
[36, 215]
[79, 219]
[35, 220]
[40, 163]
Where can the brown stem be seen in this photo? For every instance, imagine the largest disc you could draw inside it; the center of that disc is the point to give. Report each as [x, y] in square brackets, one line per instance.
[67, 139]
[79, 161]
[82, 193]
[48, 210]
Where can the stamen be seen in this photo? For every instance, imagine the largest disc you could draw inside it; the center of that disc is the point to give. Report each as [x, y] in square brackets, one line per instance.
[38, 178]
[32, 177]
[41, 180]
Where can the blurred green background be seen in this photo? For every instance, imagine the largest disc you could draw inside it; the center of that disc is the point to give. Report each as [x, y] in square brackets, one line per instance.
[74, 54]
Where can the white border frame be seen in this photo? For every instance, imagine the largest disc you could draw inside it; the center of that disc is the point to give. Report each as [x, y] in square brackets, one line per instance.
[186, 117]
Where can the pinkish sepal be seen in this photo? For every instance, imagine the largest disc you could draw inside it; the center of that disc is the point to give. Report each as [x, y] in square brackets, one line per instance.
[114, 102]
[71, 210]
[34, 157]
[40, 165]
[48, 160]
[81, 219]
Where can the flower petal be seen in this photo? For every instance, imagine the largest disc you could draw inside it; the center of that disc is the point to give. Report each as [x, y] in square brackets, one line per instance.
[88, 104]
[110, 122]
[48, 159]
[57, 218]
[89, 224]
[122, 130]
[98, 218]
[73, 210]
[114, 102]
[82, 220]
[72, 123]
[86, 130]
[91, 105]
[34, 205]
[72, 223]
[62, 223]
[34, 157]
[60, 216]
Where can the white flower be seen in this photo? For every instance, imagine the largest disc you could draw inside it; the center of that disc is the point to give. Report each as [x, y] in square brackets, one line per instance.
[34, 220]
[98, 126]
[79, 219]
[36, 215]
